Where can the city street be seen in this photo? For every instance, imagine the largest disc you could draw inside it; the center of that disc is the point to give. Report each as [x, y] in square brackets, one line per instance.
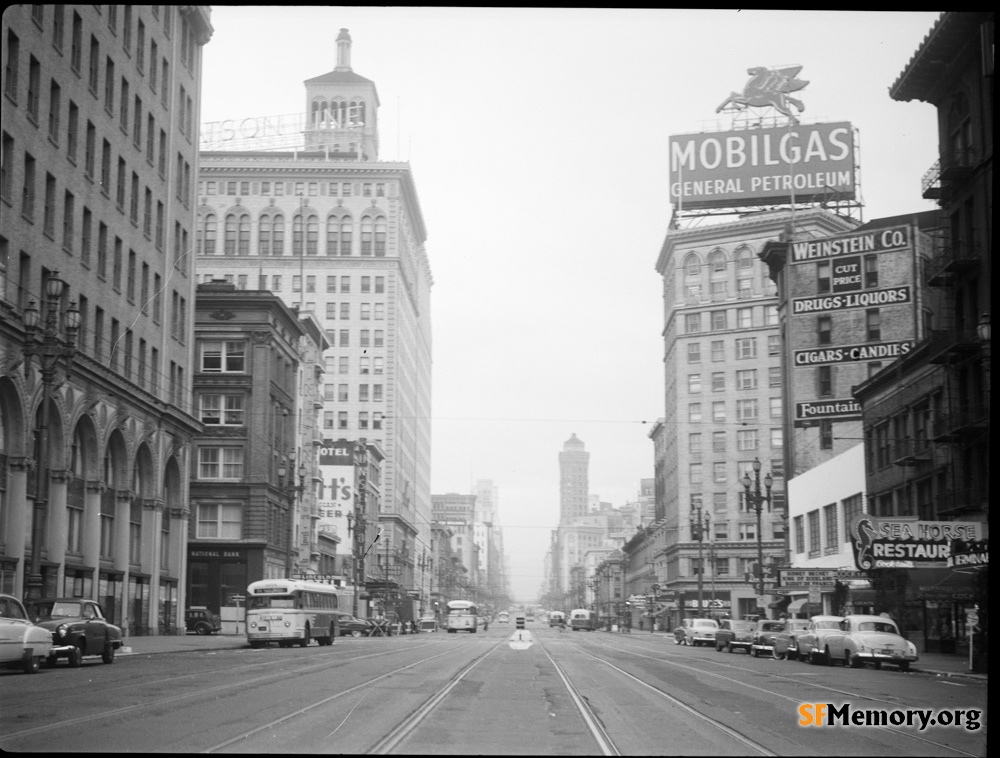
[539, 691]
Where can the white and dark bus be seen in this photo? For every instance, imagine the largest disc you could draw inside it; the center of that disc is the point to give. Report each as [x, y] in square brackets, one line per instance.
[462, 616]
[291, 612]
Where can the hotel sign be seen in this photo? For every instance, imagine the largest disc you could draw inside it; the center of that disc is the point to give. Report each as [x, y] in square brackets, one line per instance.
[803, 163]
[852, 353]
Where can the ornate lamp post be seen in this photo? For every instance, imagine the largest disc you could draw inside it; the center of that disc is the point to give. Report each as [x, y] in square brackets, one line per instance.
[699, 525]
[50, 348]
[756, 500]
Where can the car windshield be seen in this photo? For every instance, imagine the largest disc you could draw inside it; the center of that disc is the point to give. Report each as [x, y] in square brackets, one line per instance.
[878, 626]
[796, 626]
[740, 626]
[774, 626]
[828, 625]
[58, 610]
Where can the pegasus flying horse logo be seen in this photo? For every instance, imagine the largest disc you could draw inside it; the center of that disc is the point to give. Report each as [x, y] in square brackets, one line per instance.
[769, 86]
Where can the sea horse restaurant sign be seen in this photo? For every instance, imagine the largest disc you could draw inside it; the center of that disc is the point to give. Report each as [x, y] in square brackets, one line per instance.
[907, 542]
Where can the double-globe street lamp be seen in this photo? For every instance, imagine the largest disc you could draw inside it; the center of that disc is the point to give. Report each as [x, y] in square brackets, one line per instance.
[756, 501]
[51, 348]
[699, 525]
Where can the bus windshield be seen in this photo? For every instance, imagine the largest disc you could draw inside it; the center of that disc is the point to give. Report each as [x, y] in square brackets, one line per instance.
[272, 602]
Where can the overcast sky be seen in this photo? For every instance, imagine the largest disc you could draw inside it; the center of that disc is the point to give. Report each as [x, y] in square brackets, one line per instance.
[538, 143]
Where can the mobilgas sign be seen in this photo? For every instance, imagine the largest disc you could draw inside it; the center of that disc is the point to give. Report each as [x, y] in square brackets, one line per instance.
[878, 241]
[850, 300]
[907, 542]
[762, 166]
[845, 409]
[852, 353]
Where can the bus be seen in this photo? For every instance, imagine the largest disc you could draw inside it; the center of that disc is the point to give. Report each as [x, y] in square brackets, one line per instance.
[581, 618]
[291, 611]
[461, 616]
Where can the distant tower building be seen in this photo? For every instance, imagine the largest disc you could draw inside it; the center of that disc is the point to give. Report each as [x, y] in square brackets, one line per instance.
[573, 482]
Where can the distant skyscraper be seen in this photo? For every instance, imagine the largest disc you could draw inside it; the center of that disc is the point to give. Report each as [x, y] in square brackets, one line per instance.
[573, 482]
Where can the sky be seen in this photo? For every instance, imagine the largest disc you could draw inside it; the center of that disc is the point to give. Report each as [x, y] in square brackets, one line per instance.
[538, 144]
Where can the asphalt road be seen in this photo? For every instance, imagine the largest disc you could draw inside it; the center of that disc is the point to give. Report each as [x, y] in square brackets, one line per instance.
[498, 692]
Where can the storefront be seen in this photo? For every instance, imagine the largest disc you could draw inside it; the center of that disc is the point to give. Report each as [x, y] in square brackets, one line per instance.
[218, 576]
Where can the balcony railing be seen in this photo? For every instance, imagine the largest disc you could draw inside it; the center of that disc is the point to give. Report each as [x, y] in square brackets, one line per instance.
[954, 425]
[950, 261]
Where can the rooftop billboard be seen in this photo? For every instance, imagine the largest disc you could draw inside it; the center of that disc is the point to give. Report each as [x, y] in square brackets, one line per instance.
[800, 163]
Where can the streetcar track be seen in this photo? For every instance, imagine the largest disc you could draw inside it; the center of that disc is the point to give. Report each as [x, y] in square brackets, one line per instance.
[797, 701]
[713, 722]
[115, 712]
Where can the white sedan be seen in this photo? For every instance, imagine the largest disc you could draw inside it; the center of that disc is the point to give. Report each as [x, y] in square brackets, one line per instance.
[22, 644]
[870, 639]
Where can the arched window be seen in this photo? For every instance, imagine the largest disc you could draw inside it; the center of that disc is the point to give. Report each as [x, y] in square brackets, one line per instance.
[380, 237]
[346, 229]
[244, 232]
[367, 229]
[206, 235]
[692, 266]
[333, 239]
[297, 234]
[744, 258]
[278, 235]
[357, 113]
[717, 263]
[230, 241]
[264, 235]
[312, 235]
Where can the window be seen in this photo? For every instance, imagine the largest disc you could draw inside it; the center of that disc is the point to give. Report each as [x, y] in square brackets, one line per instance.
[830, 523]
[852, 509]
[220, 463]
[746, 439]
[694, 473]
[692, 266]
[345, 285]
[774, 376]
[719, 411]
[34, 85]
[773, 344]
[718, 291]
[13, 65]
[220, 521]
[873, 324]
[718, 442]
[342, 420]
[718, 321]
[717, 263]
[771, 315]
[826, 434]
[223, 357]
[694, 352]
[694, 442]
[746, 347]
[718, 351]
[823, 277]
[746, 379]
[718, 381]
[719, 472]
[814, 541]
[692, 323]
[824, 330]
[49, 217]
[871, 271]
[69, 214]
[72, 131]
[694, 412]
[748, 531]
[744, 318]
[223, 410]
[824, 381]
[694, 383]
[777, 442]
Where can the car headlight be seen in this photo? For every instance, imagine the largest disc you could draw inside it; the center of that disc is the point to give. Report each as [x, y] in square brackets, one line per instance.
[253, 624]
[861, 646]
[61, 631]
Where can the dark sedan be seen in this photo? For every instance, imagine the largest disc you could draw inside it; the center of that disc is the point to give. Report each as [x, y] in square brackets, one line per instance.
[78, 629]
[353, 626]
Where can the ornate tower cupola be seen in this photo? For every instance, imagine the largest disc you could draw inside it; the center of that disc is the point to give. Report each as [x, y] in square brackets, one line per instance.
[342, 110]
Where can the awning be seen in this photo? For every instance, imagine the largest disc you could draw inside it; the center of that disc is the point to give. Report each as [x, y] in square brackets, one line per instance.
[799, 606]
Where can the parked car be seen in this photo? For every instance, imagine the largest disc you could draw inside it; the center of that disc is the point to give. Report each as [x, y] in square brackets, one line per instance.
[734, 635]
[202, 621]
[763, 636]
[869, 639]
[353, 626]
[812, 642]
[427, 624]
[22, 644]
[786, 643]
[696, 632]
[78, 629]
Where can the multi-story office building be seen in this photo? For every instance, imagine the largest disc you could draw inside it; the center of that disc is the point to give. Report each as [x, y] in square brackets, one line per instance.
[100, 154]
[574, 484]
[724, 407]
[332, 230]
[254, 465]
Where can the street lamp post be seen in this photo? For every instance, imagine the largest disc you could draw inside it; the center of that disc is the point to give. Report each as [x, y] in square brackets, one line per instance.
[699, 525]
[50, 348]
[756, 500]
[294, 492]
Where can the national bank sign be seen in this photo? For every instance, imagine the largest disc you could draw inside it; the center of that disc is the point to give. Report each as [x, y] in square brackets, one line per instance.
[800, 163]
